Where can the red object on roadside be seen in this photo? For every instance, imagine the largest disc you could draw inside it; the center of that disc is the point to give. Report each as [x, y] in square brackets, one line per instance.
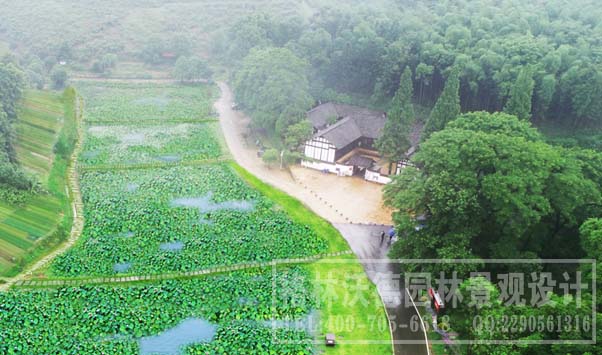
[436, 301]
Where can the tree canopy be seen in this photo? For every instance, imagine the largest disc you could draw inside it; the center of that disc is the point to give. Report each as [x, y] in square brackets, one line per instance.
[395, 140]
[11, 90]
[521, 95]
[489, 187]
[447, 106]
[189, 69]
[363, 50]
[272, 83]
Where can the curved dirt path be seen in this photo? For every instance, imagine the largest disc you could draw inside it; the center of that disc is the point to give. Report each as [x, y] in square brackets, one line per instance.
[76, 205]
[338, 200]
[348, 203]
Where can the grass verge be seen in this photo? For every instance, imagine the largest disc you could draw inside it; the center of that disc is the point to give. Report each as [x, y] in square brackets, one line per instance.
[354, 311]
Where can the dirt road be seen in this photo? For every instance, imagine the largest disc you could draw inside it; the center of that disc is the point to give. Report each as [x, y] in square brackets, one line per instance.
[340, 201]
[337, 199]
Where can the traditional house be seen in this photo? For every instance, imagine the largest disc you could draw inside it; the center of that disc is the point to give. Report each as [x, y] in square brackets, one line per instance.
[343, 142]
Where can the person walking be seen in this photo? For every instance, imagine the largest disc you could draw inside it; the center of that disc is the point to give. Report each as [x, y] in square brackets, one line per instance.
[391, 235]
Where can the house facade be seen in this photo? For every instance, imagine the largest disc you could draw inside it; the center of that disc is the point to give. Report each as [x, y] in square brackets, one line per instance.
[343, 142]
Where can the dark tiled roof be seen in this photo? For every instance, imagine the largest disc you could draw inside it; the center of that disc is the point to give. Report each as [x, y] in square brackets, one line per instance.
[341, 133]
[354, 122]
[358, 160]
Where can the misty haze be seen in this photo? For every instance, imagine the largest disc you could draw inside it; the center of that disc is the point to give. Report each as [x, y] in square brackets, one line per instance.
[315, 177]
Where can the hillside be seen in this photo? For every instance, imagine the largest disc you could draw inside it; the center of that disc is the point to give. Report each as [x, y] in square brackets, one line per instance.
[38, 220]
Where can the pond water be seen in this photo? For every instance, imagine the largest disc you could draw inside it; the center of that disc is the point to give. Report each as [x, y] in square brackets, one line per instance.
[133, 139]
[122, 267]
[204, 204]
[169, 158]
[91, 154]
[172, 341]
[174, 246]
[125, 234]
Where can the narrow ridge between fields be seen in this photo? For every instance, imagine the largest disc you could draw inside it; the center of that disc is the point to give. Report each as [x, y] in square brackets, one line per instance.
[149, 122]
[173, 275]
[154, 165]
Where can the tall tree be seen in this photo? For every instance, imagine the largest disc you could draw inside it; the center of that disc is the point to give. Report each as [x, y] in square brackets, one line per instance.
[11, 90]
[521, 95]
[447, 107]
[395, 140]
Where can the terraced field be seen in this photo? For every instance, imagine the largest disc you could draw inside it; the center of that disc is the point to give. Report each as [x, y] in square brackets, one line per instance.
[178, 218]
[30, 227]
[40, 119]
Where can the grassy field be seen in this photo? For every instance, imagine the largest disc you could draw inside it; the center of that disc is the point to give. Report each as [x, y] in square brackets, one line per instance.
[30, 228]
[353, 322]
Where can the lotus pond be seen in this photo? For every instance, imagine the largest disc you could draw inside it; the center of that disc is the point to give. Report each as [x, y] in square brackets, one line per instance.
[133, 320]
[179, 219]
[131, 145]
[139, 102]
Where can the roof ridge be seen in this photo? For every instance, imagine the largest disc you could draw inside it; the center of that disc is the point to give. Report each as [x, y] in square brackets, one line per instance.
[338, 124]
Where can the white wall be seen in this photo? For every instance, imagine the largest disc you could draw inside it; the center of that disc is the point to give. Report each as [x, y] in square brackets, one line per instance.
[376, 177]
[319, 150]
[341, 170]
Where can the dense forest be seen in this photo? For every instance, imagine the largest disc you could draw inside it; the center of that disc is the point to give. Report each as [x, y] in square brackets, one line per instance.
[352, 53]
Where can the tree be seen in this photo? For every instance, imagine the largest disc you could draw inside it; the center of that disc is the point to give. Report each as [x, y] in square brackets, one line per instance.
[58, 76]
[273, 84]
[11, 90]
[271, 157]
[298, 133]
[424, 73]
[490, 187]
[189, 69]
[106, 62]
[395, 140]
[447, 107]
[521, 95]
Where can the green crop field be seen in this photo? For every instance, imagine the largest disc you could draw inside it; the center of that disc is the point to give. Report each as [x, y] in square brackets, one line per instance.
[127, 145]
[179, 219]
[31, 226]
[40, 119]
[111, 102]
[183, 218]
[108, 320]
